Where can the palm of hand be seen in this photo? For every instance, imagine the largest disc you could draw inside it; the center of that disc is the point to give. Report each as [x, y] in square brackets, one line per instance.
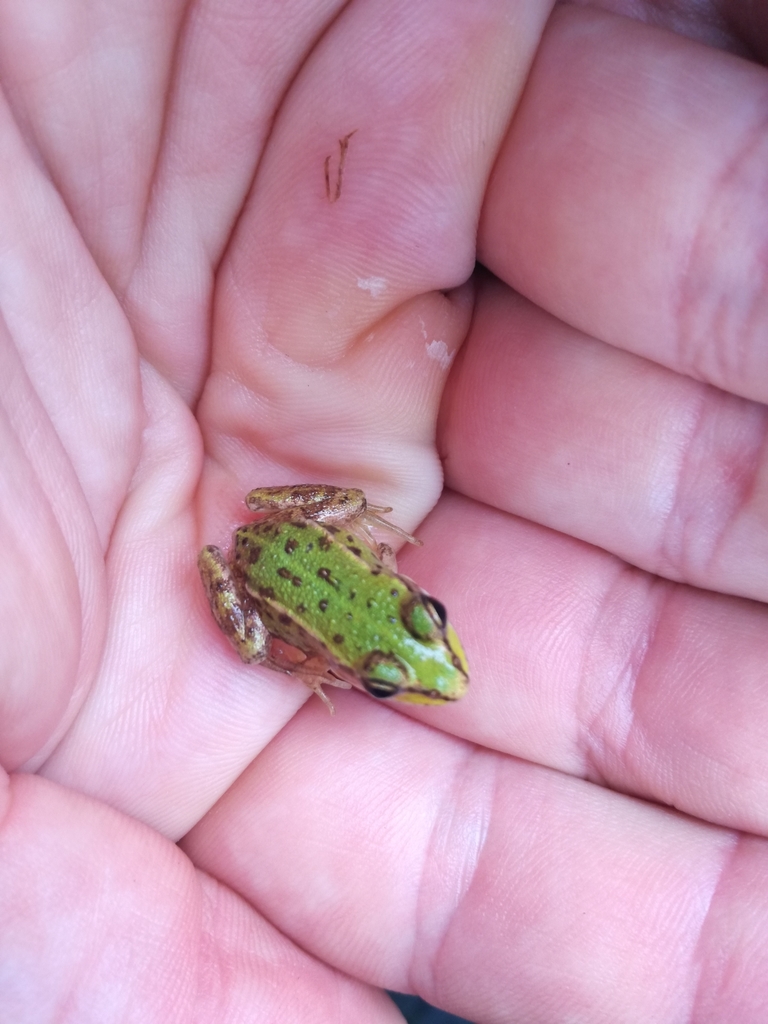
[178, 282]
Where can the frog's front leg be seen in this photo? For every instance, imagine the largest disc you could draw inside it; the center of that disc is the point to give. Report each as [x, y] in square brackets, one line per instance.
[313, 670]
[316, 683]
[232, 607]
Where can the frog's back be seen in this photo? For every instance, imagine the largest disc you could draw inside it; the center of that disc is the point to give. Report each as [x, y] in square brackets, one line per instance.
[318, 586]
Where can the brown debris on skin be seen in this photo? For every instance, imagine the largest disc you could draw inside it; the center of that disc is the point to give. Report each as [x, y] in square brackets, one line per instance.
[334, 195]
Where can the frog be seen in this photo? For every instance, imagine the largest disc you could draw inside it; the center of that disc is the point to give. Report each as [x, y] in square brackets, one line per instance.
[308, 591]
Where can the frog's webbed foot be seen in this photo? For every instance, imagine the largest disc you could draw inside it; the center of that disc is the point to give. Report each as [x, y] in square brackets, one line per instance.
[372, 516]
[316, 683]
[315, 673]
[384, 552]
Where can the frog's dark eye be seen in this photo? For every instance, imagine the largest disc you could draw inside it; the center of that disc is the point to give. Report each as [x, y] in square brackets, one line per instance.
[383, 675]
[439, 607]
[424, 617]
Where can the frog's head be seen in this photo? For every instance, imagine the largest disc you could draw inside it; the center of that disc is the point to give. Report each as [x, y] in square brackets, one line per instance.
[426, 664]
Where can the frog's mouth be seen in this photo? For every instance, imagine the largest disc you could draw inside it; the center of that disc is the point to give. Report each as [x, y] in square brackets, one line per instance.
[430, 697]
[400, 690]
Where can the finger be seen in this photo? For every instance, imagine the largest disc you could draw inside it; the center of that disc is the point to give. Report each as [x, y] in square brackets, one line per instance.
[234, 61]
[69, 432]
[102, 914]
[628, 197]
[191, 99]
[87, 83]
[751, 22]
[578, 662]
[326, 354]
[667, 473]
[172, 716]
[493, 888]
[72, 340]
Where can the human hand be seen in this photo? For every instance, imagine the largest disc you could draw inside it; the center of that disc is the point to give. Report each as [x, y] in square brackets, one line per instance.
[396, 854]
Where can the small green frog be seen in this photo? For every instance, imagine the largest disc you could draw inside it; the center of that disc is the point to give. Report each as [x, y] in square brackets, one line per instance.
[308, 591]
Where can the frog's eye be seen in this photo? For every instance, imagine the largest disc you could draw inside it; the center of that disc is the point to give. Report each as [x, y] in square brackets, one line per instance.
[439, 607]
[383, 675]
[424, 617]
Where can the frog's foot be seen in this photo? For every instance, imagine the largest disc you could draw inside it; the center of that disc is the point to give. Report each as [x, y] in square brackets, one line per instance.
[372, 516]
[315, 673]
[316, 683]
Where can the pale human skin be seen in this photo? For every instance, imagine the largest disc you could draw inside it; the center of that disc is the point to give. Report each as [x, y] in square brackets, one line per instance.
[187, 315]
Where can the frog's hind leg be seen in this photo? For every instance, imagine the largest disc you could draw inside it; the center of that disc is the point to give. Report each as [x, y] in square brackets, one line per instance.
[232, 608]
[322, 502]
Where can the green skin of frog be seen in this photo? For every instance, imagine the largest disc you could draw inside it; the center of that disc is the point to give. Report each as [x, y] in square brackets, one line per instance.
[308, 591]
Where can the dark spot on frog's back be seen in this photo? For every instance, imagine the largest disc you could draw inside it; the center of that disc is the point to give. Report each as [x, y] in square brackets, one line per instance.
[290, 545]
[322, 605]
[355, 550]
[325, 574]
[296, 581]
[338, 638]
[243, 543]
[284, 619]
[267, 593]
[284, 573]
[324, 542]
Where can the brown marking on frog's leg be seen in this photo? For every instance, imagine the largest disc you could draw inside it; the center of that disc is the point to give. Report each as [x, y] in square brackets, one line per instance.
[340, 506]
[276, 499]
[386, 556]
[232, 607]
